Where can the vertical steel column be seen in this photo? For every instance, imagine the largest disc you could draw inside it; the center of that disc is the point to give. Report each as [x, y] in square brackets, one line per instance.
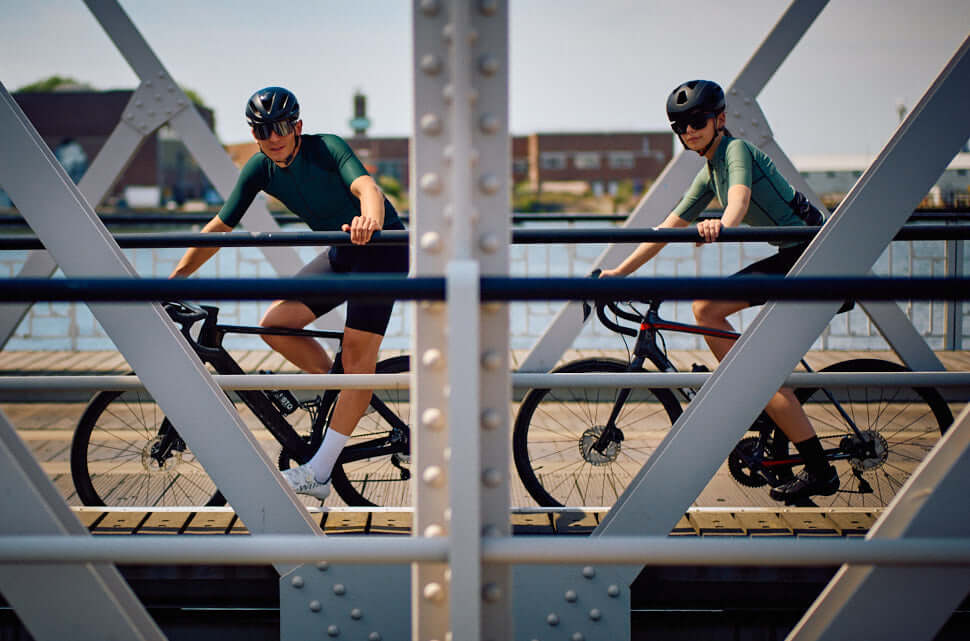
[953, 309]
[849, 244]
[904, 604]
[461, 156]
[144, 334]
[670, 186]
[92, 601]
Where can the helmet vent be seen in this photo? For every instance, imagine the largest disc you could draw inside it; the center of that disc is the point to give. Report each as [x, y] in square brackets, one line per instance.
[681, 97]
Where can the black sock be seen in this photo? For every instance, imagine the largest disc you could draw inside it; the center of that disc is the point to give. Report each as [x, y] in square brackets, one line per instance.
[812, 454]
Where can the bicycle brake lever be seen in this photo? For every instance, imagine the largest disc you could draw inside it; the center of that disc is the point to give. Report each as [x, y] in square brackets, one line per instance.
[587, 308]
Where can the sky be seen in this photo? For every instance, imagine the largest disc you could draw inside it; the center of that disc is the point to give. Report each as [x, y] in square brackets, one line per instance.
[575, 65]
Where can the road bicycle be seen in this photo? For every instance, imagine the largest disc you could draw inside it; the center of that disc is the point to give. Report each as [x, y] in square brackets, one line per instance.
[125, 451]
[583, 445]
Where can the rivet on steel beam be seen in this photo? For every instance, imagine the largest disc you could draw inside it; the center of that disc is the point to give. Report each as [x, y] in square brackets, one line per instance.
[430, 7]
[491, 478]
[356, 614]
[448, 33]
[129, 116]
[374, 636]
[577, 636]
[448, 154]
[432, 358]
[430, 64]
[161, 74]
[491, 593]
[446, 454]
[433, 419]
[433, 476]
[472, 96]
[552, 619]
[434, 530]
[171, 88]
[431, 242]
[447, 514]
[448, 93]
[737, 114]
[151, 113]
[747, 101]
[339, 589]
[431, 183]
[489, 184]
[488, 7]
[613, 590]
[734, 92]
[323, 566]
[488, 64]
[491, 360]
[741, 132]
[489, 243]
[472, 36]
[491, 419]
[315, 606]
[571, 596]
[333, 631]
[434, 592]
[138, 104]
[489, 123]
[447, 575]
[595, 614]
[297, 581]
[589, 571]
[158, 97]
[431, 124]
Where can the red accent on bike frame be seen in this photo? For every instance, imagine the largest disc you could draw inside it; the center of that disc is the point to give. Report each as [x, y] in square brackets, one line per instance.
[790, 461]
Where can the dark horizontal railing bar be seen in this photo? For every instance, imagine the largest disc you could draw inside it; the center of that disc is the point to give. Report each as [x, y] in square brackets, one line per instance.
[520, 236]
[493, 288]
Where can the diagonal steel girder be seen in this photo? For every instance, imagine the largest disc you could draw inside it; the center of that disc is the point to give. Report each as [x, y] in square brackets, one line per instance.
[92, 600]
[144, 334]
[157, 89]
[664, 194]
[850, 243]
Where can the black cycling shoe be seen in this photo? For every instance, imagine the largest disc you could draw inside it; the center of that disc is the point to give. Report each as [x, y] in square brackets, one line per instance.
[806, 484]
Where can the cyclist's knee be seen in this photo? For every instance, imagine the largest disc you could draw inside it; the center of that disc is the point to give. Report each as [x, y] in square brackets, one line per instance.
[704, 311]
[289, 314]
[359, 352]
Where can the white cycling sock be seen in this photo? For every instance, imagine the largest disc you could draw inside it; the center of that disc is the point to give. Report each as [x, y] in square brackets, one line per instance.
[323, 461]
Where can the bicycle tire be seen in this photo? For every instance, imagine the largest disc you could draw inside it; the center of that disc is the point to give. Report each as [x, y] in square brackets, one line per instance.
[556, 424]
[375, 481]
[910, 420]
[111, 462]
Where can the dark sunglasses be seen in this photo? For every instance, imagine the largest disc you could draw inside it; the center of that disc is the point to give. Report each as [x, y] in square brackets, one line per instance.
[696, 121]
[281, 127]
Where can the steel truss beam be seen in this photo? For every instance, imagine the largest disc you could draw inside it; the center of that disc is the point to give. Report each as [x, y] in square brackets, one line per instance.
[746, 120]
[157, 101]
[748, 377]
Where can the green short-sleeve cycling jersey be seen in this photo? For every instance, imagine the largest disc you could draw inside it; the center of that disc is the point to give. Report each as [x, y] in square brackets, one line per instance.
[315, 186]
[738, 162]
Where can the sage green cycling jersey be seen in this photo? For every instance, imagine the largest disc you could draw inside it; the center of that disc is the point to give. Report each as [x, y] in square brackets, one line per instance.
[315, 186]
[738, 162]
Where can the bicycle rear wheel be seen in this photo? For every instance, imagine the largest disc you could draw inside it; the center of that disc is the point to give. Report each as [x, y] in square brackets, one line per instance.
[899, 424]
[382, 476]
[555, 430]
[121, 456]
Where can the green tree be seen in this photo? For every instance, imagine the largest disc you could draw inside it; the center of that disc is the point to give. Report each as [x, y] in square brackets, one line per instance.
[55, 83]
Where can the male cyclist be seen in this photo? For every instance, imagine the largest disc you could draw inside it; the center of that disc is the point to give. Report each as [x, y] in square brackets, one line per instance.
[752, 191]
[319, 179]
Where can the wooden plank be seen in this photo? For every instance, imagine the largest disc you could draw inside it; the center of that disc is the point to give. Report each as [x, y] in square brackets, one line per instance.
[568, 522]
[852, 523]
[390, 523]
[120, 523]
[537, 523]
[341, 523]
[715, 523]
[238, 527]
[209, 523]
[165, 523]
[763, 523]
[808, 523]
[89, 518]
[684, 528]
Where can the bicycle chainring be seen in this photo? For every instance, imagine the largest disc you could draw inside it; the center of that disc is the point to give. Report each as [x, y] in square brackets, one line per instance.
[589, 453]
[751, 447]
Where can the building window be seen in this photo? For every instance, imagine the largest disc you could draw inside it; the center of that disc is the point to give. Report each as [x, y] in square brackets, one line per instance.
[392, 168]
[646, 145]
[520, 166]
[587, 160]
[621, 160]
[552, 160]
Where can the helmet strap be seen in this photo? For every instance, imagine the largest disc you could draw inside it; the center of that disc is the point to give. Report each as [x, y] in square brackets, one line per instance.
[296, 149]
[717, 134]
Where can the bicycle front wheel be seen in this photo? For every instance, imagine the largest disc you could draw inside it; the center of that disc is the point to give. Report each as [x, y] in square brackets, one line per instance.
[557, 432]
[898, 426]
[375, 466]
[125, 452]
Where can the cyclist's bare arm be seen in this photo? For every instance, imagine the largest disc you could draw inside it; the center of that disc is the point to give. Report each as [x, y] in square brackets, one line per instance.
[371, 217]
[645, 251]
[195, 257]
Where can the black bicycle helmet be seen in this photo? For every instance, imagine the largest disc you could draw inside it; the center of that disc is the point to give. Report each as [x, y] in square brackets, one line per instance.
[702, 96]
[272, 104]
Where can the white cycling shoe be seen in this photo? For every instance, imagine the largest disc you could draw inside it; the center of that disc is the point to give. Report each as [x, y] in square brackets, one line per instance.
[302, 481]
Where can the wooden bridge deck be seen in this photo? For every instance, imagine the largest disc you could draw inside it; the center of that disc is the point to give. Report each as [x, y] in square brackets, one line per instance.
[47, 427]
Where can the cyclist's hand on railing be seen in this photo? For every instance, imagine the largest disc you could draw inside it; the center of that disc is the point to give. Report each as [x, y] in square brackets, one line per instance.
[361, 228]
[709, 230]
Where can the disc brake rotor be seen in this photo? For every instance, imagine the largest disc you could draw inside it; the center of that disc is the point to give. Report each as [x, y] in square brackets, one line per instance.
[870, 453]
[589, 453]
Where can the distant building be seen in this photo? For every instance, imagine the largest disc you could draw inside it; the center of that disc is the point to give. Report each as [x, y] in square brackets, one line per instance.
[76, 124]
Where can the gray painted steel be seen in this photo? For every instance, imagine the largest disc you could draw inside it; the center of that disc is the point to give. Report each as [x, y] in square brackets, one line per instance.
[171, 371]
[92, 602]
[881, 603]
[747, 377]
